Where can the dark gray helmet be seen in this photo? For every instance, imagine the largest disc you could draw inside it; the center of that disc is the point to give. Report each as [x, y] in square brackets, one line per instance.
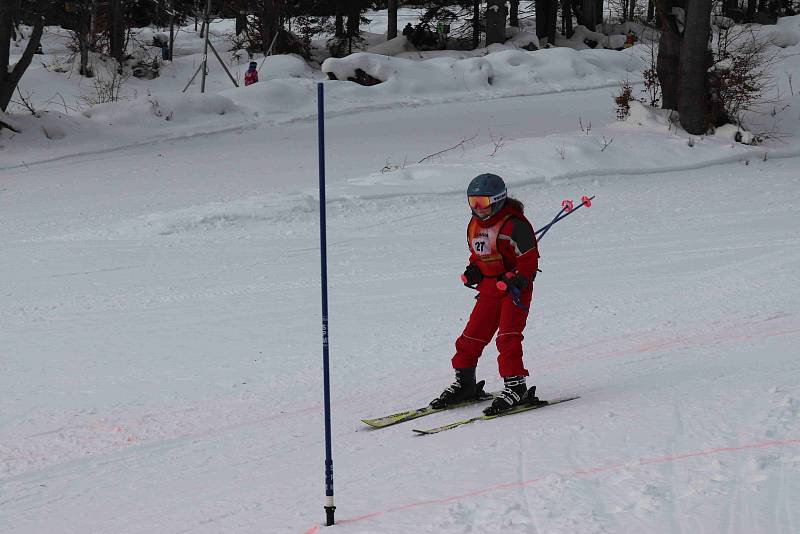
[486, 195]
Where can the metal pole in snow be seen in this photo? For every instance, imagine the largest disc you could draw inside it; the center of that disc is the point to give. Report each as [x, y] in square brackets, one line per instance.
[329, 507]
[205, 47]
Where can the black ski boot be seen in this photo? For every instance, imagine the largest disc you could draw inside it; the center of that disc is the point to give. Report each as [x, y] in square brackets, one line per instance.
[463, 389]
[514, 393]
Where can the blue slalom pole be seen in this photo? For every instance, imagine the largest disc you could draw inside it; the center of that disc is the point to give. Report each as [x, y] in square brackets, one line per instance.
[323, 244]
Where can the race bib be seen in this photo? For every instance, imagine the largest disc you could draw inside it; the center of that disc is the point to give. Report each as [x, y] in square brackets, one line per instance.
[481, 246]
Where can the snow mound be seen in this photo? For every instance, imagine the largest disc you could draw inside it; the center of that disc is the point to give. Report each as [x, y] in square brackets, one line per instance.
[285, 66]
[784, 34]
[180, 108]
[393, 47]
[552, 69]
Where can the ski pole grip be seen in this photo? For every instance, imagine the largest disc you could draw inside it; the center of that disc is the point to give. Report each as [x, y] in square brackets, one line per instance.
[501, 284]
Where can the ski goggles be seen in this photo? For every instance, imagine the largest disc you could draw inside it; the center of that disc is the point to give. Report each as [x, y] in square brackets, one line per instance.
[484, 202]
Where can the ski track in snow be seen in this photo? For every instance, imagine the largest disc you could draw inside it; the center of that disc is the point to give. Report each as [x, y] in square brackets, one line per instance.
[640, 488]
[623, 470]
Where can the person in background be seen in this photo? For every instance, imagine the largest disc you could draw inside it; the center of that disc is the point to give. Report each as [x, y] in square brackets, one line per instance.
[251, 76]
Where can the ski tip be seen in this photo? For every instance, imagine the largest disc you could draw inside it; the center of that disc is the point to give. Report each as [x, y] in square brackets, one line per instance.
[420, 432]
[372, 423]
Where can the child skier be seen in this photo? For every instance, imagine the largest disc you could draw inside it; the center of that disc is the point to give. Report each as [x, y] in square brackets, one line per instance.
[251, 76]
[503, 263]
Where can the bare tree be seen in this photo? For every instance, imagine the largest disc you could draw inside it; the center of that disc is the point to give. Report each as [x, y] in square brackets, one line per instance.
[495, 21]
[566, 18]
[695, 61]
[353, 27]
[546, 19]
[80, 19]
[10, 79]
[476, 23]
[669, 52]
[116, 29]
[588, 12]
[340, 7]
[391, 32]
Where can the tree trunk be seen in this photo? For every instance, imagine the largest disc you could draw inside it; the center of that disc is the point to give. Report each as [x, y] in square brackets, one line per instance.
[651, 10]
[269, 24]
[632, 13]
[116, 30]
[83, 44]
[751, 10]
[476, 24]
[547, 20]
[353, 22]
[341, 8]
[241, 22]
[16, 32]
[495, 22]
[552, 21]
[391, 32]
[7, 16]
[695, 60]
[566, 18]
[10, 79]
[513, 13]
[587, 16]
[669, 55]
[541, 18]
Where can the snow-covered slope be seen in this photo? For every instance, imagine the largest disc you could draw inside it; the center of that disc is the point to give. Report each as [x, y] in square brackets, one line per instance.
[160, 356]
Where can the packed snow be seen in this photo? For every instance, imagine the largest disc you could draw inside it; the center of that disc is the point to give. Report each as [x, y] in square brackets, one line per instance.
[160, 351]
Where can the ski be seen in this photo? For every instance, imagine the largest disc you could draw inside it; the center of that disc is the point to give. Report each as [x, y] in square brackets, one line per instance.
[512, 411]
[408, 415]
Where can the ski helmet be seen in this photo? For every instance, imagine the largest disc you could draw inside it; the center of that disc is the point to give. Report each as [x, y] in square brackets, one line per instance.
[486, 195]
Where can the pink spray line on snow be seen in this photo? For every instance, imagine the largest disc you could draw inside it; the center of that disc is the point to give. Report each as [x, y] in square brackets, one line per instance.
[574, 474]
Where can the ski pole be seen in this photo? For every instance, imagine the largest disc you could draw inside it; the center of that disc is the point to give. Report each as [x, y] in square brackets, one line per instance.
[567, 207]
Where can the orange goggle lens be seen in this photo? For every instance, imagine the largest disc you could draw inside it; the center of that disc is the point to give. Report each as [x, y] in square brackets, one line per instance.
[479, 203]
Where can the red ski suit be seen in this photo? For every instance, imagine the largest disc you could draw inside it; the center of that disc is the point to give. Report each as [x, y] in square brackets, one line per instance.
[503, 243]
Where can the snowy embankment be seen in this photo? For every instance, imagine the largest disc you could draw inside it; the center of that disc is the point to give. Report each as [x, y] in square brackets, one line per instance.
[156, 111]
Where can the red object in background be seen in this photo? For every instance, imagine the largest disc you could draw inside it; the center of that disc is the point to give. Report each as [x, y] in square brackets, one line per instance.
[250, 77]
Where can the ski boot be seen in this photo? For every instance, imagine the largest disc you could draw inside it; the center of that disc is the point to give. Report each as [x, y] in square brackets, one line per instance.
[514, 394]
[463, 389]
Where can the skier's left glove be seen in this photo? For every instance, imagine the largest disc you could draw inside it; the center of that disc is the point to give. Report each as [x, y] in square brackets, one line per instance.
[515, 284]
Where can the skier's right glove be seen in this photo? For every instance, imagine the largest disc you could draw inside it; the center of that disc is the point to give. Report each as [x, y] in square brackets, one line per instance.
[472, 275]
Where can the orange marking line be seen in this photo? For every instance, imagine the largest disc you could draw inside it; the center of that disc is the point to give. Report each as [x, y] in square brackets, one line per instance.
[577, 473]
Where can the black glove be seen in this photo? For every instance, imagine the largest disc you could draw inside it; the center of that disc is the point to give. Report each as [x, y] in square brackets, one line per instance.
[472, 275]
[515, 285]
[513, 282]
